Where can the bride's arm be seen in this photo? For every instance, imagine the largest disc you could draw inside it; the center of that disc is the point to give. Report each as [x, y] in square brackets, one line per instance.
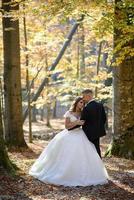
[69, 124]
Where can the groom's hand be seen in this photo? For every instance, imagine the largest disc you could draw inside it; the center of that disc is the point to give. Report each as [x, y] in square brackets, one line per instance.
[77, 126]
[80, 122]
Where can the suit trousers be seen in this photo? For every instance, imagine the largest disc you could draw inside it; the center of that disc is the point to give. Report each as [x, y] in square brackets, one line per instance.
[96, 142]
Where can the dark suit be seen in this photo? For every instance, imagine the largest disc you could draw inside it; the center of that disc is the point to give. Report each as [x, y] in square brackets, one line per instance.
[94, 126]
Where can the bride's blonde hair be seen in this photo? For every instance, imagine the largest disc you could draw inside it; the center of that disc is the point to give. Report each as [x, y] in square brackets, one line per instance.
[74, 105]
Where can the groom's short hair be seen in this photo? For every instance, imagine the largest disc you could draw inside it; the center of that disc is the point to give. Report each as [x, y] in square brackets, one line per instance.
[87, 91]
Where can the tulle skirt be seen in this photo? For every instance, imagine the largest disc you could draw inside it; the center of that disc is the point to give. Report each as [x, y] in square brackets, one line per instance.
[70, 159]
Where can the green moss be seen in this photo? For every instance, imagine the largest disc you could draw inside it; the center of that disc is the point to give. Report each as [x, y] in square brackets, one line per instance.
[123, 146]
[6, 163]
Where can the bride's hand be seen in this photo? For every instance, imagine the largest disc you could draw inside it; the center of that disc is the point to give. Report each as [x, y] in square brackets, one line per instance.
[80, 122]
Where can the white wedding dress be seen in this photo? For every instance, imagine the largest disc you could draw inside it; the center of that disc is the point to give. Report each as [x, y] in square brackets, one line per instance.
[70, 160]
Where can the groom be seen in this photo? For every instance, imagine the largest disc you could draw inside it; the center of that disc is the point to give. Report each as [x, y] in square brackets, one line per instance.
[95, 118]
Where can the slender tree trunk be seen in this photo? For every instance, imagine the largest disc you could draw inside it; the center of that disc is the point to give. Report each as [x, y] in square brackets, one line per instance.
[47, 85]
[25, 37]
[55, 108]
[12, 77]
[2, 105]
[29, 107]
[48, 115]
[98, 67]
[27, 77]
[33, 107]
[78, 56]
[34, 119]
[123, 83]
[81, 50]
[42, 113]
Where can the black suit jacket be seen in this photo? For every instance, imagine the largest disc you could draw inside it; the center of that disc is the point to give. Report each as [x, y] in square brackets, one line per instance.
[95, 118]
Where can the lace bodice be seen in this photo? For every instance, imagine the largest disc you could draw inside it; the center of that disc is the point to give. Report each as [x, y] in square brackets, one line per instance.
[71, 116]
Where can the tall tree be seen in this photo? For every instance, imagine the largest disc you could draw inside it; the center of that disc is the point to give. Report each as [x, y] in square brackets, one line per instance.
[98, 67]
[81, 49]
[123, 80]
[12, 75]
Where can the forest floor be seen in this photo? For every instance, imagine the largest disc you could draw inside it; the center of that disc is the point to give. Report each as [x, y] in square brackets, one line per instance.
[24, 187]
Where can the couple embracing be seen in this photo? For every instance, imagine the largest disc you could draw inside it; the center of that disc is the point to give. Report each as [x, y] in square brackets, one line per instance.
[73, 156]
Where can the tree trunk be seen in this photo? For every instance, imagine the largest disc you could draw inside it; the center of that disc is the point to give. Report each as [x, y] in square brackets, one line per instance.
[123, 102]
[4, 159]
[34, 119]
[81, 50]
[2, 104]
[33, 107]
[29, 106]
[123, 125]
[12, 77]
[48, 115]
[55, 108]
[78, 56]
[98, 67]
[42, 114]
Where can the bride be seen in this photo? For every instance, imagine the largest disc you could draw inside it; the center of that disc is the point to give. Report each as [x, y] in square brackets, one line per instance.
[70, 159]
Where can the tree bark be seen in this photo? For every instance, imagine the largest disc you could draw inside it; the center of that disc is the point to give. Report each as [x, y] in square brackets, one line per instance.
[98, 67]
[78, 56]
[48, 115]
[81, 50]
[55, 108]
[123, 124]
[34, 119]
[33, 107]
[123, 102]
[4, 159]
[42, 114]
[12, 77]
[29, 107]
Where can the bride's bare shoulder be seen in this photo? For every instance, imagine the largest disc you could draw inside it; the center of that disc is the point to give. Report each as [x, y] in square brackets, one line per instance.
[67, 113]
